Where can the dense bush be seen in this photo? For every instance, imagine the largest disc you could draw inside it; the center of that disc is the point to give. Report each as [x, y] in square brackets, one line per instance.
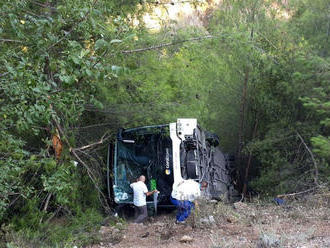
[254, 72]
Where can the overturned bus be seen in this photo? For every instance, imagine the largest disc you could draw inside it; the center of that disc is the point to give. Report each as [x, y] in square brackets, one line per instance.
[165, 154]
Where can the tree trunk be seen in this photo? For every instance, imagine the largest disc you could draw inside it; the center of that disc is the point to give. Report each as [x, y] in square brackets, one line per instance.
[241, 130]
[249, 160]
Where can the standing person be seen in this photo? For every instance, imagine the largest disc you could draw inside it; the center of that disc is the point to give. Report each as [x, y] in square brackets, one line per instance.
[140, 191]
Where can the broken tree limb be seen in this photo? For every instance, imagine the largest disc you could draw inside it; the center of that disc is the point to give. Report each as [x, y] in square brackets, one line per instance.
[74, 153]
[47, 202]
[299, 193]
[167, 44]
[100, 142]
[49, 195]
[91, 176]
[316, 170]
[57, 144]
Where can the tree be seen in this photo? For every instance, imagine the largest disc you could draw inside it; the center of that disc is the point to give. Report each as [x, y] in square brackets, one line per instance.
[52, 57]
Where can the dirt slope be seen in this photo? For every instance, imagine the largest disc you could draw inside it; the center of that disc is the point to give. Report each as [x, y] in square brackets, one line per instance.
[295, 224]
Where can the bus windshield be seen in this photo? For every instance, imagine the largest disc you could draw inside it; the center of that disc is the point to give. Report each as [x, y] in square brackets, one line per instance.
[142, 151]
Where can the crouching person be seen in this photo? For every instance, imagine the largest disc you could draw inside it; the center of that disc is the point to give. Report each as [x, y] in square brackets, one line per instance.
[183, 196]
[140, 192]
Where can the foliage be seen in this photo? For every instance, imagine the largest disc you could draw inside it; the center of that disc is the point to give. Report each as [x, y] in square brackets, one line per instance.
[79, 231]
[256, 73]
[52, 56]
[311, 19]
[282, 71]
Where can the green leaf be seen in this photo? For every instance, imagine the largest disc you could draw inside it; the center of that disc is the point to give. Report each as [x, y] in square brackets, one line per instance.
[100, 44]
[76, 60]
[115, 41]
[89, 72]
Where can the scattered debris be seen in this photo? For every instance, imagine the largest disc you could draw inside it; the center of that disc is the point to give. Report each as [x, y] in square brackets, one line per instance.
[208, 220]
[254, 224]
[104, 230]
[160, 224]
[268, 241]
[279, 201]
[167, 234]
[229, 220]
[110, 234]
[240, 205]
[145, 235]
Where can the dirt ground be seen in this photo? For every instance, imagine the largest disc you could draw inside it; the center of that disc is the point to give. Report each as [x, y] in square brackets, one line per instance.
[296, 224]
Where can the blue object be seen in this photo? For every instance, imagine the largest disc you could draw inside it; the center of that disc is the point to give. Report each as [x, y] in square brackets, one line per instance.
[279, 201]
[184, 209]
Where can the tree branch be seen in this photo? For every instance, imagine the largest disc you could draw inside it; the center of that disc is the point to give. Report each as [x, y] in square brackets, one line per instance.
[92, 145]
[94, 125]
[91, 176]
[73, 27]
[9, 40]
[47, 202]
[170, 2]
[167, 44]
[13, 202]
[43, 5]
[316, 170]
[74, 153]
[299, 193]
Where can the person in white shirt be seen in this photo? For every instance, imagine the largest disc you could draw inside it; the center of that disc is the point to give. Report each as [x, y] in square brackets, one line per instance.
[140, 191]
[183, 195]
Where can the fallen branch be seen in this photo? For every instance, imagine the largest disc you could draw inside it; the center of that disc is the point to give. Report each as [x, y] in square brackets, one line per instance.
[91, 176]
[167, 44]
[298, 193]
[73, 151]
[301, 192]
[101, 141]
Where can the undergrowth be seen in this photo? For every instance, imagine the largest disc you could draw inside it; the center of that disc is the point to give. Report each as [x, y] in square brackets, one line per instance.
[79, 230]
